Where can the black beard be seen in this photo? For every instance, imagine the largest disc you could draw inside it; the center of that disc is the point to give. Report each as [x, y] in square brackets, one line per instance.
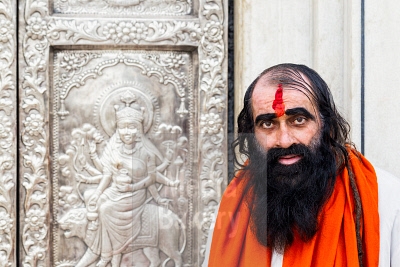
[288, 198]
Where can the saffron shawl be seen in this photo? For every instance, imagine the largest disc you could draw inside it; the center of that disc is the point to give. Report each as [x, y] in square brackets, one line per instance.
[335, 244]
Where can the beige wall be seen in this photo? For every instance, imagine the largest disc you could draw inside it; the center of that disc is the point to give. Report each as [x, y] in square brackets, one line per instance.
[326, 35]
[382, 84]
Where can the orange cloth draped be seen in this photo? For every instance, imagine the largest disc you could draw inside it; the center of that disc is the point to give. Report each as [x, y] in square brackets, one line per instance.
[335, 244]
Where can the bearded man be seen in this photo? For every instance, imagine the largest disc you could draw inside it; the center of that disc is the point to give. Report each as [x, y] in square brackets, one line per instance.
[305, 196]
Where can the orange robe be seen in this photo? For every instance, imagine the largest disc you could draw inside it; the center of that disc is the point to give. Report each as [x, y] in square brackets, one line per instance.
[234, 244]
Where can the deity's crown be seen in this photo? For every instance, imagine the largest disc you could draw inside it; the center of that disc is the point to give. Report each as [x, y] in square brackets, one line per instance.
[131, 112]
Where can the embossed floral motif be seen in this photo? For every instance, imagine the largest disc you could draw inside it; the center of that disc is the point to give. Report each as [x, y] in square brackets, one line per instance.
[5, 127]
[174, 61]
[37, 28]
[213, 31]
[34, 124]
[6, 30]
[6, 223]
[126, 31]
[71, 62]
[35, 219]
[210, 123]
[208, 64]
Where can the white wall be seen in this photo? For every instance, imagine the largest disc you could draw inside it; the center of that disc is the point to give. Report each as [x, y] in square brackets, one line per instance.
[382, 84]
[326, 36]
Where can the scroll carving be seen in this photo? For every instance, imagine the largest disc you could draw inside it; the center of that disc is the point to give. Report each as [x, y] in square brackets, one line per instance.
[34, 226]
[213, 107]
[124, 32]
[7, 134]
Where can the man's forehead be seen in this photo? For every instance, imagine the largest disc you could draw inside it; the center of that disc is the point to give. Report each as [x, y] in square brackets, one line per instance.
[266, 92]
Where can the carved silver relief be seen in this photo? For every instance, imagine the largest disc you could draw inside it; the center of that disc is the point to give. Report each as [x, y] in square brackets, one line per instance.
[7, 134]
[82, 86]
[135, 143]
[125, 7]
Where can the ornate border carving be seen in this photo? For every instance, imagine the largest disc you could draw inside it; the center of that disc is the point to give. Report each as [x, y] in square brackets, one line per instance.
[125, 7]
[7, 133]
[207, 33]
[212, 125]
[120, 31]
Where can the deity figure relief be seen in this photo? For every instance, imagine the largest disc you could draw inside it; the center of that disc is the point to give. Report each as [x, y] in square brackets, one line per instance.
[126, 170]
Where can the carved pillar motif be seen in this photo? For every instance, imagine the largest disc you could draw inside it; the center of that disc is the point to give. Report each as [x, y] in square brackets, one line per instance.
[7, 134]
[78, 76]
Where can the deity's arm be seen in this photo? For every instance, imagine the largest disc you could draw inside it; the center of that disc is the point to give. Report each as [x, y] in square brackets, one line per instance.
[96, 161]
[163, 166]
[151, 168]
[146, 182]
[88, 180]
[93, 155]
[154, 192]
[92, 170]
[164, 180]
[105, 181]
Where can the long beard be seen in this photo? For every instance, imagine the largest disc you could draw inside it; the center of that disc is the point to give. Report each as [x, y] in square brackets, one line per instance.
[288, 198]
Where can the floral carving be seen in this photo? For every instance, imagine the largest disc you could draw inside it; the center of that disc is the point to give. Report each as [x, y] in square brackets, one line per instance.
[7, 133]
[6, 31]
[210, 124]
[213, 31]
[126, 31]
[35, 219]
[35, 44]
[34, 124]
[73, 63]
[174, 61]
[171, 63]
[36, 28]
[213, 89]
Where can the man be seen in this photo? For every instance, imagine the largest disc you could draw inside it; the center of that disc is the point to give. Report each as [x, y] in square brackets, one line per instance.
[305, 196]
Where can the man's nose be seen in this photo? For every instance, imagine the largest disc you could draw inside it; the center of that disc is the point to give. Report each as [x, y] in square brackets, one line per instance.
[284, 137]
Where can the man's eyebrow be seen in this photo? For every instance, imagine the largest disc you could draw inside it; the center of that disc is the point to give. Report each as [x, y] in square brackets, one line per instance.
[265, 117]
[299, 111]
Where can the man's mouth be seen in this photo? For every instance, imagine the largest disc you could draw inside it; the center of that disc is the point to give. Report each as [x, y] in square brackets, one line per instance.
[289, 159]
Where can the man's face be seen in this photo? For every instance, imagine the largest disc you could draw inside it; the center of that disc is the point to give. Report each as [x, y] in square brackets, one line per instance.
[300, 124]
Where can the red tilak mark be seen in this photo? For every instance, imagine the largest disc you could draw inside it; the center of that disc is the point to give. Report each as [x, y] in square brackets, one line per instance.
[278, 104]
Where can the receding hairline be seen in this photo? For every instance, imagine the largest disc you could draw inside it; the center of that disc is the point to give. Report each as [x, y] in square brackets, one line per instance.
[273, 77]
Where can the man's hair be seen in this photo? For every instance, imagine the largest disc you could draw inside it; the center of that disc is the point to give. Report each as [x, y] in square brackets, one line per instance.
[335, 129]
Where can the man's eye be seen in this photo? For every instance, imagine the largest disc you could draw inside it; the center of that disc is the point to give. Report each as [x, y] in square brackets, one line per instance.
[266, 124]
[299, 120]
